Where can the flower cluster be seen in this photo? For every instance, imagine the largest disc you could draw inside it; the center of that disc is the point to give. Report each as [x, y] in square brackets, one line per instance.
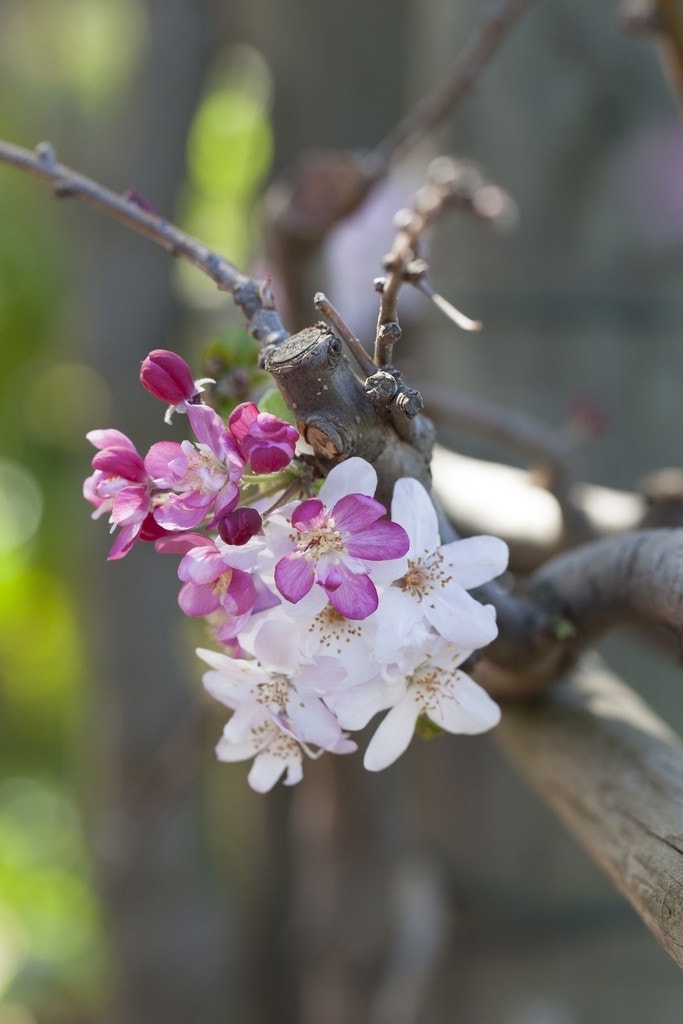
[327, 612]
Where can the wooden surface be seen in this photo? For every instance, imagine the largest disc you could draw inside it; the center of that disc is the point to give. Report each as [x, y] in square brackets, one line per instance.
[613, 772]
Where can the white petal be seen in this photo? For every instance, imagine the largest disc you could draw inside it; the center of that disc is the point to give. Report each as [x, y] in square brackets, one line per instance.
[393, 735]
[277, 645]
[227, 750]
[355, 707]
[266, 770]
[461, 619]
[475, 560]
[355, 476]
[465, 707]
[311, 604]
[314, 723]
[412, 507]
[397, 614]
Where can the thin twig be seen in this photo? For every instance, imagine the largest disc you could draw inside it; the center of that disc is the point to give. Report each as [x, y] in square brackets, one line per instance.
[253, 297]
[336, 320]
[448, 93]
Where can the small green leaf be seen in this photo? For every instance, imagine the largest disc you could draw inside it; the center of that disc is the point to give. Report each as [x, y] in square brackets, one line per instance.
[273, 402]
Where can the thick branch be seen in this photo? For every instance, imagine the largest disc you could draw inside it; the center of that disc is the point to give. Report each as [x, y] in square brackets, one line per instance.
[633, 579]
[252, 297]
[613, 772]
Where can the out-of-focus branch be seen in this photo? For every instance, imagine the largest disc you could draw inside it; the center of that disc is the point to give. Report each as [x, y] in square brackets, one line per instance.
[664, 20]
[432, 110]
[634, 579]
[327, 187]
[254, 298]
[613, 772]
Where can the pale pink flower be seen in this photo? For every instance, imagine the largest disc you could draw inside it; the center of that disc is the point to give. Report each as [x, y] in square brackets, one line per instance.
[211, 584]
[121, 486]
[205, 476]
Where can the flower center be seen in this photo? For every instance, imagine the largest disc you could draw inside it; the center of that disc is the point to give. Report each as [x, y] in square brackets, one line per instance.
[323, 542]
[424, 576]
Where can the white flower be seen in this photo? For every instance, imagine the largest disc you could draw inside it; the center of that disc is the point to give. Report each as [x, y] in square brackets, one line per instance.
[277, 712]
[433, 589]
[435, 687]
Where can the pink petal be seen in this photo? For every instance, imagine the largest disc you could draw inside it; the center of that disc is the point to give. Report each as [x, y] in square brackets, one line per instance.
[119, 461]
[109, 438]
[293, 576]
[202, 565]
[355, 597]
[241, 419]
[197, 601]
[356, 512]
[309, 515]
[131, 505]
[158, 462]
[385, 540]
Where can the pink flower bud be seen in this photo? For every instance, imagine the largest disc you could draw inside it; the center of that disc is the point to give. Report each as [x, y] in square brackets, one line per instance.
[265, 441]
[168, 377]
[239, 526]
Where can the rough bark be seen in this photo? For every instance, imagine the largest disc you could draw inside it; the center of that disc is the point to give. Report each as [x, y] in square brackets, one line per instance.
[613, 772]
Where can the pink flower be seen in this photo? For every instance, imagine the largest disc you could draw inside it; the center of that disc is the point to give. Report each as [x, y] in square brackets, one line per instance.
[121, 486]
[334, 547]
[266, 442]
[211, 585]
[204, 475]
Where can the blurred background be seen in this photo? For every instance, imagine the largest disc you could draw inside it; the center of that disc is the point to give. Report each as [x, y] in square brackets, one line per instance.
[139, 880]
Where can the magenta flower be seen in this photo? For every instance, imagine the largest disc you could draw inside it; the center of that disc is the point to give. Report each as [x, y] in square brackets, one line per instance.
[120, 486]
[334, 547]
[205, 476]
[211, 585]
[266, 442]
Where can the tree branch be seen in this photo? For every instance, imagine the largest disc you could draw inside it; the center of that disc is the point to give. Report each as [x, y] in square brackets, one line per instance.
[448, 93]
[634, 579]
[254, 298]
[613, 773]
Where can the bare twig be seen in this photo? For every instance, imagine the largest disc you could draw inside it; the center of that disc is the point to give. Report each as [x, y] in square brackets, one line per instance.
[613, 772]
[253, 297]
[336, 321]
[452, 184]
[447, 94]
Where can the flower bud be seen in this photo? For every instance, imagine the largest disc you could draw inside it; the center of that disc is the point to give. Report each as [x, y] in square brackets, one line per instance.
[265, 441]
[168, 377]
[239, 526]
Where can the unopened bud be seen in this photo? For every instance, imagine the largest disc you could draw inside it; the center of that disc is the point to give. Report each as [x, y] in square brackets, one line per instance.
[239, 526]
[168, 377]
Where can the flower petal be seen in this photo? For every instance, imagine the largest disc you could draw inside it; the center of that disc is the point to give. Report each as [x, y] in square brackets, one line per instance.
[464, 707]
[393, 735]
[293, 576]
[355, 476]
[355, 597]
